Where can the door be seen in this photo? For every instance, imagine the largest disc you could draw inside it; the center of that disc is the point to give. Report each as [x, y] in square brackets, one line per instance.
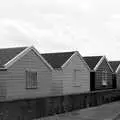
[92, 81]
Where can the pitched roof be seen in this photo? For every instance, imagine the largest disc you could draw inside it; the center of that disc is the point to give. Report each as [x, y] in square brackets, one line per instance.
[114, 65]
[92, 60]
[56, 60]
[6, 54]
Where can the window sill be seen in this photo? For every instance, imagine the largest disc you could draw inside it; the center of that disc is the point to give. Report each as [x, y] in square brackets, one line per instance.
[31, 88]
[76, 85]
[104, 86]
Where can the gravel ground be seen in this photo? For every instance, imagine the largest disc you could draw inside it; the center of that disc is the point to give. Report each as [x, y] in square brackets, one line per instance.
[109, 111]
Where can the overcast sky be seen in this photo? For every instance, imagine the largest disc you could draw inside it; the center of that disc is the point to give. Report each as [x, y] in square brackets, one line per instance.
[90, 26]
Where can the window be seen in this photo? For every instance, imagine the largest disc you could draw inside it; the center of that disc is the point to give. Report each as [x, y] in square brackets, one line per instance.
[104, 78]
[31, 79]
[77, 77]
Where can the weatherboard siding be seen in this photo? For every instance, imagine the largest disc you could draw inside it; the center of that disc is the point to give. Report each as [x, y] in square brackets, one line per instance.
[118, 79]
[3, 77]
[70, 86]
[16, 83]
[98, 76]
[57, 81]
[66, 77]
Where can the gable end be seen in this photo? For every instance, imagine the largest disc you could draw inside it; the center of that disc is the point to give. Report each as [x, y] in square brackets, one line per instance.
[24, 52]
[100, 62]
[78, 54]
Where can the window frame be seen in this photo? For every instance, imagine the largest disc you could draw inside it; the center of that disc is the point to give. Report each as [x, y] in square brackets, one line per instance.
[104, 78]
[31, 79]
[76, 83]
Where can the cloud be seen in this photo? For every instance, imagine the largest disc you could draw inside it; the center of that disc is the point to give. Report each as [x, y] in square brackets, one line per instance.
[58, 25]
[113, 27]
[16, 32]
[115, 16]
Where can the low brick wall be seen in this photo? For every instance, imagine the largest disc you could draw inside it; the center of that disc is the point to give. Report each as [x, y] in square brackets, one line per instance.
[72, 102]
[43, 107]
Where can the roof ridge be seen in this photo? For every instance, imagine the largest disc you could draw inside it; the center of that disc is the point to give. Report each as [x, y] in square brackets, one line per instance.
[59, 52]
[7, 54]
[95, 56]
[114, 61]
[92, 61]
[56, 60]
[114, 65]
[14, 47]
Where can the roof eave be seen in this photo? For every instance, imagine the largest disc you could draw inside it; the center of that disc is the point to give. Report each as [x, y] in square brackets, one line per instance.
[117, 68]
[12, 61]
[3, 68]
[21, 54]
[100, 61]
[49, 66]
[67, 62]
[75, 53]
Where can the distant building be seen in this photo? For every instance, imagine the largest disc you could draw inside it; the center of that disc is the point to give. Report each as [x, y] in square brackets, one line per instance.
[116, 69]
[70, 73]
[100, 72]
[23, 74]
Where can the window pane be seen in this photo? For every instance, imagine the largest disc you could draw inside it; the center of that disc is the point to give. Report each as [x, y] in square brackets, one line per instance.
[31, 79]
[104, 78]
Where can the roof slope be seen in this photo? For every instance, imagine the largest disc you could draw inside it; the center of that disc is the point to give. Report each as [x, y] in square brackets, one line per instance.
[6, 54]
[92, 60]
[56, 60]
[114, 65]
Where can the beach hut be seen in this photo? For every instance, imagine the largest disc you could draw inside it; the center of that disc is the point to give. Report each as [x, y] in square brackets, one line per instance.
[100, 72]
